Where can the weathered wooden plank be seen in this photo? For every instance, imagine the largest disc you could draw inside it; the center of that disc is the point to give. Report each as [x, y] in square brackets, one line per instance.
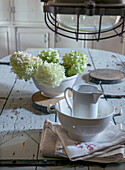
[7, 120]
[19, 109]
[5, 59]
[21, 119]
[25, 121]
[56, 168]
[96, 167]
[18, 168]
[2, 102]
[35, 134]
[109, 60]
[115, 89]
[20, 146]
[122, 58]
[115, 166]
[5, 136]
[82, 167]
[7, 79]
[105, 59]
[23, 89]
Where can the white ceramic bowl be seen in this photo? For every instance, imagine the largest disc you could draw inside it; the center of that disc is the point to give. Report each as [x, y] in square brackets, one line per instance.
[82, 129]
[57, 91]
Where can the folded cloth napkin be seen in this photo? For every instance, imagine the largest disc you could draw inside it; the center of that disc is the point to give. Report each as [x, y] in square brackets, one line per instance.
[107, 147]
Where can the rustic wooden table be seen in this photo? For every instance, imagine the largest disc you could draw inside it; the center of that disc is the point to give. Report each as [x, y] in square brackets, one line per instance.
[21, 124]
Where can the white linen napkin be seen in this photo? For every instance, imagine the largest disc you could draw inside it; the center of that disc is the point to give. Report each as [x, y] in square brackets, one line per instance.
[107, 147]
[48, 139]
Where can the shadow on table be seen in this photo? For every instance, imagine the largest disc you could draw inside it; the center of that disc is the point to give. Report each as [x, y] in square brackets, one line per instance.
[20, 100]
[20, 144]
[26, 103]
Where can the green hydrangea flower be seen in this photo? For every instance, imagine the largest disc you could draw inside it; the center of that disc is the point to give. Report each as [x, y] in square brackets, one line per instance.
[50, 74]
[47, 67]
[74, 63]
[24, 64]
[50, 56]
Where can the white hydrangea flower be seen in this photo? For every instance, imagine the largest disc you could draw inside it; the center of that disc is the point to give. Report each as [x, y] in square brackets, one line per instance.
[24, 64]
[50, 74]
[46, 67]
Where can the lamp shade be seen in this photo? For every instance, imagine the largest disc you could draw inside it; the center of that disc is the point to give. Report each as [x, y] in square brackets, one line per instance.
[85, 18]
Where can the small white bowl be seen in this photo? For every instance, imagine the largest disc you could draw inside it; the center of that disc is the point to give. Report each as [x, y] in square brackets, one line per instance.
[82, 129]
[57, 91]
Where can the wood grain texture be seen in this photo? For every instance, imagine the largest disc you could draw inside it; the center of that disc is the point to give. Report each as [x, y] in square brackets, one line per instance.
[106, 76]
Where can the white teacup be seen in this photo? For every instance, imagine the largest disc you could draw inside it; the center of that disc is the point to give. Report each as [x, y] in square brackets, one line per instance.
[85, 100]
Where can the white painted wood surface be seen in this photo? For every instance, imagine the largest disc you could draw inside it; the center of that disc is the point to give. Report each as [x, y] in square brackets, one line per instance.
[21, 124]
[26, 11]
[4, 10]
[27, 36]
[4, 45]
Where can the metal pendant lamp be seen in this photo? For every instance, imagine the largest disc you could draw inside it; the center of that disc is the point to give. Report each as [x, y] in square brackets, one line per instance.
[88, 20]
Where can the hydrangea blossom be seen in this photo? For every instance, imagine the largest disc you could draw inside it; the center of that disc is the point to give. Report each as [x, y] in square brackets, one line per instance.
[50, 74]
[24, 64]
[47, 67]
[50, 56]
[74, 63]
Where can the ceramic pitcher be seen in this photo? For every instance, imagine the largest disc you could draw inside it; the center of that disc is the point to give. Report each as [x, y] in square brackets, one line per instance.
[85, 100]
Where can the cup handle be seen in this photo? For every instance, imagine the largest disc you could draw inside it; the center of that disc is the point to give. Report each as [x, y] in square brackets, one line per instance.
[67, 97]
[51, 108]
[118, 113]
